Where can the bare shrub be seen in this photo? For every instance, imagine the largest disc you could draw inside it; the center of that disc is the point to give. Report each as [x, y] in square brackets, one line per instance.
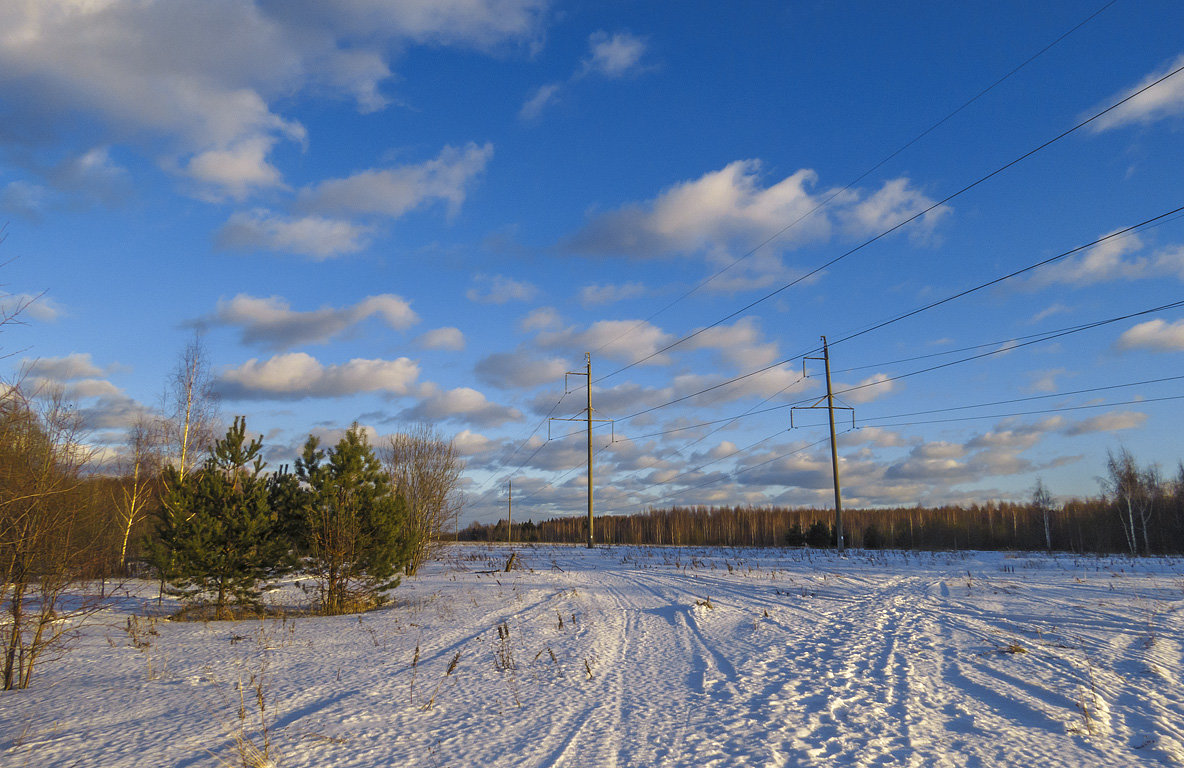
[425, 470]
[43, 553]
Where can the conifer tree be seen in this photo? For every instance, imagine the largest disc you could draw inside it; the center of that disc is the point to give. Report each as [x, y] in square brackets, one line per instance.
[217, 531]
[353, 523]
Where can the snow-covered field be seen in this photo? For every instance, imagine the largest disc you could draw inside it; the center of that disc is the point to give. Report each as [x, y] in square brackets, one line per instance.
[629, 656]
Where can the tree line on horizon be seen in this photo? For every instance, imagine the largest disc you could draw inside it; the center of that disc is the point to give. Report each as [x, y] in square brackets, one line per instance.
[1139, 512]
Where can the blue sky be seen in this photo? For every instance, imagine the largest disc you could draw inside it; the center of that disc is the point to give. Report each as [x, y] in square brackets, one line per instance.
[430, 211]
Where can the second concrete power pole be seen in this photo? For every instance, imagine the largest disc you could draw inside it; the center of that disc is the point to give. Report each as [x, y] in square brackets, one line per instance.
[588, 368]
[834, 449]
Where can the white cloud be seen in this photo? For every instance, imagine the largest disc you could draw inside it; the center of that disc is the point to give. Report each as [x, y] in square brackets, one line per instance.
[463, 402]
[596, 295]
[1108, 422]
[395, 191]
[24, 198]
[448, 338]
[512, 370]
[740, 343]
[317, 237]
[613, 55]
[1112, 260]
[867, 390]
[1045, 381]
[540, 99]
[728, 210]
[888, 206]
[272, 323]
[469, 443]
[1053, 309]
[236, 170]
[1164, 100]
[541, 319]
[499, 289]
[296, 375]
[197, 83]
[21, 305]
[481, 24]
[627, 340]
[1155, 335]
[77, 365]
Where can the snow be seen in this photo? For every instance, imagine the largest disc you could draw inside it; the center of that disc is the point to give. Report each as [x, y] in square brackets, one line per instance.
[659, 656]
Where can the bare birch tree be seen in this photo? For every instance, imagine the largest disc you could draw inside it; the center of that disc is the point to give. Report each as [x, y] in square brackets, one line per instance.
[425, 470]
[191, 407]
[137, 473]
[1042, 500]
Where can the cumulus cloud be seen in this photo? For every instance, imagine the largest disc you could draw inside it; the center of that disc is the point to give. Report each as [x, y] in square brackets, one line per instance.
[740, 343]
[271, 323]
[1108, 422]
[1162, 101]
[237, 170]
[541, 319]
[24, 199]
[1118, 258]
[866, 390]
[39, 307]
[1155, 335]
[628, 340]
[199, 82]
[514, 370]
[499, 289]
[540, 99]
[469, 443]
[610, 56]
[393, 192]
[447, 338]
[296, 376]
[609, 293]
[77, 365]
[613, 55]
[317, 237]
[730, 209]
[463, 402]
[1045, 381]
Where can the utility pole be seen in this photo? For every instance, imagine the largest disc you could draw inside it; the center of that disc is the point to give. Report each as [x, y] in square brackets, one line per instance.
[510, 514]
[587, 372]
[834, 448]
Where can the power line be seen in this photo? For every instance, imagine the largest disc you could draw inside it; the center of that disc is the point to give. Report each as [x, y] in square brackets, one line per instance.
[901, 224]
[960, 294]
[1086, 391]
[1006, 349]
[1137, 401]
[824, 203]
[1117, 234]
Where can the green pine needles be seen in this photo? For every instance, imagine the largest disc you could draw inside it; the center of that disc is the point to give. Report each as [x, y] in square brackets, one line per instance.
[229, 530]
[354, 524]
[217, 528]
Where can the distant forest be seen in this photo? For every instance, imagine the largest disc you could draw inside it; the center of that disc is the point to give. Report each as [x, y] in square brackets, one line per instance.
[1139, 512]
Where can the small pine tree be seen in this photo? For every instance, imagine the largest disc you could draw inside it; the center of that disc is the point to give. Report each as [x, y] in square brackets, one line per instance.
[820, 535]
[795, 536]
[354, 524]
[217, 534]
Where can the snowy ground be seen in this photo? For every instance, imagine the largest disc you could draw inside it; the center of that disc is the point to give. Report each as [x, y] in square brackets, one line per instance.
[630, 656]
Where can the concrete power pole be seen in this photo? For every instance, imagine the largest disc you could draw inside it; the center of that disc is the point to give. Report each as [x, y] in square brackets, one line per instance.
[510, 514]
[834, 448]
[587, 372]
